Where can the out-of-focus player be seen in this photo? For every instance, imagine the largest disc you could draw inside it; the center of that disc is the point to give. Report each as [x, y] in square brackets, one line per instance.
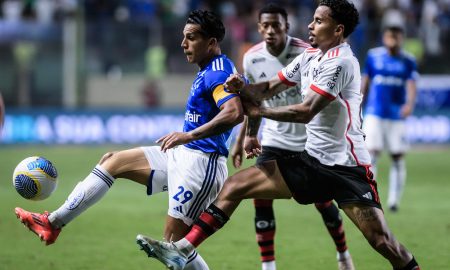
[262, 62]
[389, 87]
[189, 165]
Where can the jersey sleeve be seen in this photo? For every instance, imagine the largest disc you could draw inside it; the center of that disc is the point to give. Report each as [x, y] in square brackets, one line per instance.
[215, 81]
[291, 74]
[331, 76]
[368, 71]
[413, 73]
[246, 67]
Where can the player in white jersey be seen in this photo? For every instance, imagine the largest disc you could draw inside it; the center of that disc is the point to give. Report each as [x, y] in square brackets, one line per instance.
[261, 62]
[389, 88]
[189, 165]
[335, 164]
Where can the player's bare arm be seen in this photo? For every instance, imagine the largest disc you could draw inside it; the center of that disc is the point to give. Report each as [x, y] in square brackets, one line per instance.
[411, 92]
[299, 113]
[231, 114]
[255, 92]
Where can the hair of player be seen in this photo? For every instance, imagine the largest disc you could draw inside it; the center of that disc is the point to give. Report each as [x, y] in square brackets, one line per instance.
[273, 8]
[210, 23]
[343, 12]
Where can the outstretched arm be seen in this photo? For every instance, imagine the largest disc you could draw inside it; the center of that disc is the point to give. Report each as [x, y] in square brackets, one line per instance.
[299, 113]
[231, 114]
[411, 92]
[256, 92]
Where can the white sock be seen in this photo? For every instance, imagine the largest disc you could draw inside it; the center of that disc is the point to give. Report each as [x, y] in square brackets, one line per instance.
[342, 255]
[269, 265]
[397, 177]
[85, 194]
[184, 246]
[196, 262]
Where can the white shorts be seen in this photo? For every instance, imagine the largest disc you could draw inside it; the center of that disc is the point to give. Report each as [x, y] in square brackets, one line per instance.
[192, 178]
[385, 134]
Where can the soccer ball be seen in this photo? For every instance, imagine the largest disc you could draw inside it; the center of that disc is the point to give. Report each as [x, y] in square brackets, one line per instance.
[35, 178]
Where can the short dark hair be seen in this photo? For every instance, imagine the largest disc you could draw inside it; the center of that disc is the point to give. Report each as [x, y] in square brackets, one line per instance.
[273, 8]
[209, 22]
[343, 12]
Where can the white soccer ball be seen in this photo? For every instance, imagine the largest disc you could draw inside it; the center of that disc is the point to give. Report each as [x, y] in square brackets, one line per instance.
[35, 178]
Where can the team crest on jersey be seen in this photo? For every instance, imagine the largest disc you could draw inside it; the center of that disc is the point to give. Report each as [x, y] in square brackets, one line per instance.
[258, 60]
[316, 72]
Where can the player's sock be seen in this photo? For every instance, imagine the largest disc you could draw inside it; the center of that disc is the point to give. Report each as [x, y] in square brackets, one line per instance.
[85, 194]
[412, 265]
[195, 262]
[265, 231]
[209, 221]
[333, 221]
[269, 265]
[397, 177]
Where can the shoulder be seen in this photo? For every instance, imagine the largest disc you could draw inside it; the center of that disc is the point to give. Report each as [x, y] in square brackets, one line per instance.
[376, 52]
[408, 56]
[296, 42]
[257, 48]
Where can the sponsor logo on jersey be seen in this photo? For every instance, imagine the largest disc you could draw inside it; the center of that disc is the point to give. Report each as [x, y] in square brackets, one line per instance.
[263, 75]
[332, 83]
[387, 80]
[192, 117]
[258, 60]
[293, 71]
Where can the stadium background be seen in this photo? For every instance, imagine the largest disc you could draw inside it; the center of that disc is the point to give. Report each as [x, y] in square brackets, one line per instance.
[111, 74]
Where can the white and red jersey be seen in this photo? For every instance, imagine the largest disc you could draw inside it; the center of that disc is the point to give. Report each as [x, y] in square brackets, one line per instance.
[334, 134]
[259, 66]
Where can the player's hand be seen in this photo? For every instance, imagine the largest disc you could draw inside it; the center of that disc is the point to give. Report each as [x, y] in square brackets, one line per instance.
[237, 153]
[173, 139]
[252, 147]
[234, 83]
[406, 111]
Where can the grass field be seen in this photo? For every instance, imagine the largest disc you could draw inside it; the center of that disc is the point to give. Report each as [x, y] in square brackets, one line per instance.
[103, 238]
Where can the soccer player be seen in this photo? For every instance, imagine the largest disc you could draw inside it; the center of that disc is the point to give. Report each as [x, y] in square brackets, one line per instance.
[335, 163]
[262, 62]
[389, 87]
[190, 165]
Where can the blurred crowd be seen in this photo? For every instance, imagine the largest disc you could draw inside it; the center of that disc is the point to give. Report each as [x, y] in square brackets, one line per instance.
[120, 37]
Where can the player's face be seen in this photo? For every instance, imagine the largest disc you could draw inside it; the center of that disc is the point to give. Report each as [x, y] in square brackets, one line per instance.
[393, 39]
[324, 32]
[195, 46]
[273, 29]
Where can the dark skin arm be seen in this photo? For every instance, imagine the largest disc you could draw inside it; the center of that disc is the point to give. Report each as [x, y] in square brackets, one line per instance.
[231, 114]
[299, 113]
[257, 91]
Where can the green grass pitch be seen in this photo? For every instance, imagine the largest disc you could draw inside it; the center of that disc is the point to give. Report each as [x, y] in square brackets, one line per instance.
[104, 236]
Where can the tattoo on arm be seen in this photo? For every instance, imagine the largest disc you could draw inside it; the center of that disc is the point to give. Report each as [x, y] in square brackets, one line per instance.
[253, 126]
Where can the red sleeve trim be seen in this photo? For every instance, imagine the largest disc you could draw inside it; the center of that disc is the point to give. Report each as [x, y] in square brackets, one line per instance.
[284, 80]
[321, 92]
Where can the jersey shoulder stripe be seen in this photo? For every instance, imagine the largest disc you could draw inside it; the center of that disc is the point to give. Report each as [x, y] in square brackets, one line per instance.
[311, 50]
[299, 43]
[256, 47]
[333, 53]
[217, 65]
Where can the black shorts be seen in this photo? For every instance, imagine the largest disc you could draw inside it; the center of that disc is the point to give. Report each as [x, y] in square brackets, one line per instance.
[273, 153]
[311, 182]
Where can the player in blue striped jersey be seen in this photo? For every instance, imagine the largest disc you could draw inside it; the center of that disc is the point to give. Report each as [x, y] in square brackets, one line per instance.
[189, 165]
[389, 87]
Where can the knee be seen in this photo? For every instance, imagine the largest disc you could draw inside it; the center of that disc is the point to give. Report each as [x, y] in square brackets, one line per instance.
[382, 240]
[232, 189]
[108, 162]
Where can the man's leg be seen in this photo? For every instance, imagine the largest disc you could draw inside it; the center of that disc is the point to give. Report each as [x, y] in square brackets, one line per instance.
[265, 232]
[371, 222]
[264, 181]
[334, 223]
[397, 178]
[130, 164]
